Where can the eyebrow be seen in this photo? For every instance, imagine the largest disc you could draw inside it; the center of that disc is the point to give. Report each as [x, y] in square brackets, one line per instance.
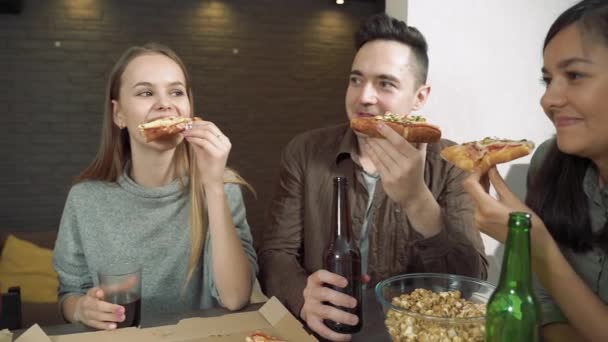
[381, 76]
[567, 62]
[148, 84]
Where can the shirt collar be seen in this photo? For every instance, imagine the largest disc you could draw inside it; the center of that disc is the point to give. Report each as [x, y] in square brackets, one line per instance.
[591, 186]
[348, 148]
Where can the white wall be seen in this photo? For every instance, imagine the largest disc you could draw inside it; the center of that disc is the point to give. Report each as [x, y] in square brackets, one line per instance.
[485, 60]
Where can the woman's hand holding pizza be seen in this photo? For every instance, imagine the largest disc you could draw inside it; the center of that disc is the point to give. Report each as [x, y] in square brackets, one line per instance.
[491, 214]
[212, 148]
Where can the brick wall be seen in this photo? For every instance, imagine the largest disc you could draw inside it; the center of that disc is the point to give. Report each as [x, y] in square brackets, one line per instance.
[275, 67]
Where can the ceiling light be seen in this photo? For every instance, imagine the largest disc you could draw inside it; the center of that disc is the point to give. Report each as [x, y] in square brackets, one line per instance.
[340, 2]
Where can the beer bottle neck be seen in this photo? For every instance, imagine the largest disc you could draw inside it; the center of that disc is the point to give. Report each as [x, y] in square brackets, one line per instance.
[342, 228]
[516, 271]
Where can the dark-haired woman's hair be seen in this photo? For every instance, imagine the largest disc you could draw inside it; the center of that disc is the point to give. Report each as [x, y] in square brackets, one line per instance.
[590, 15]
[555, 191]
[383, 27]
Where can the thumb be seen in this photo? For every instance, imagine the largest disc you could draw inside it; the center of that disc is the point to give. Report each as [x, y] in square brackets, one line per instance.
[96, 292]
[421, 146]
[501, 187]
[472, 184]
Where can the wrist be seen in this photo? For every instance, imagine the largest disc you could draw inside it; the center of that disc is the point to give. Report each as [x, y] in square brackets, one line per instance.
[76, 316]
[213, 189]
[419, 202]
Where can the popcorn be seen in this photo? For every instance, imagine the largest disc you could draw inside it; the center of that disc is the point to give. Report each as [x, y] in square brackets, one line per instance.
[446, 306]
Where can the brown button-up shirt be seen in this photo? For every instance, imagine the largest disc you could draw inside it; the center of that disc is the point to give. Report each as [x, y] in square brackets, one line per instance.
[300, 218]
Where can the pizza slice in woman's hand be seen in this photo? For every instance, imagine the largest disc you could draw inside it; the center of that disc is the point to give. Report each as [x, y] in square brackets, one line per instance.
[165, 127]
[482, 155]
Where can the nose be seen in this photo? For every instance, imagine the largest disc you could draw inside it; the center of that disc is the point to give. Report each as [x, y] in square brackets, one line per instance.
[554, 96]
[369, 95]
[163, 102]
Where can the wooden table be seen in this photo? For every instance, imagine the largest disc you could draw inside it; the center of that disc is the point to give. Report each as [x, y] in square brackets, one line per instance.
[373, 320]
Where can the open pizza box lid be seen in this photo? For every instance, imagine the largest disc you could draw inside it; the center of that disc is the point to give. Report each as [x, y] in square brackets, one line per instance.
[272, 318]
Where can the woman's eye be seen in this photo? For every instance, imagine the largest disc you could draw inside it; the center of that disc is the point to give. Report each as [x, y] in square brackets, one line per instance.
[355, 80]
[574, 75]
[177, 93]
[145, 93]
[545, 80]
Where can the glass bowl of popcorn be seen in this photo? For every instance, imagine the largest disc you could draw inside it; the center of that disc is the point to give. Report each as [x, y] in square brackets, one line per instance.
[434, 307]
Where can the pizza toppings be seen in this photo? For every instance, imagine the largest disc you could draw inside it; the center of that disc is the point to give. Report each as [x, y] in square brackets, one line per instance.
[412, 128]
[403, 119]
[484, 154]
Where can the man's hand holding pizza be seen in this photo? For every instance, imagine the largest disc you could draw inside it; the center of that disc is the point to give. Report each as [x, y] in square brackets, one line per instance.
[401, 168]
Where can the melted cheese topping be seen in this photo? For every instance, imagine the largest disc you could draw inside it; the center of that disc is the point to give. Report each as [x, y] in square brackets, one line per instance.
[390, 117]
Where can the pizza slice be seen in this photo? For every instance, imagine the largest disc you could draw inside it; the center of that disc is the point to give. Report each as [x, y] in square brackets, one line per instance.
[164, 127]
[413, 128]
[258, 336]
[482, 155]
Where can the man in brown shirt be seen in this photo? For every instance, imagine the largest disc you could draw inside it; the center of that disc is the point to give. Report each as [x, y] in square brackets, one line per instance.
[409, 210]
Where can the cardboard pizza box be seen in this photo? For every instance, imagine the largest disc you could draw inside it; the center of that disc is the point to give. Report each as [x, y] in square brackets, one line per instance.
[272, 318]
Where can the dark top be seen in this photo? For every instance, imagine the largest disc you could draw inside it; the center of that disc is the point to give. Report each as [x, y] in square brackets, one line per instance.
[298, 230]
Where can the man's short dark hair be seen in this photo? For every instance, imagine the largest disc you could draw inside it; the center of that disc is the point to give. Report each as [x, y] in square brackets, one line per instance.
[384, 27]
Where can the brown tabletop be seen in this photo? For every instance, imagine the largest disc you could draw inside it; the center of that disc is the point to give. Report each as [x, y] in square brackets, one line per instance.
[373, 320]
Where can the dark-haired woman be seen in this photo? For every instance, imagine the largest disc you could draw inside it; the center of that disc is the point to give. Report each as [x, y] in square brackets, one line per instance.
[567, 180]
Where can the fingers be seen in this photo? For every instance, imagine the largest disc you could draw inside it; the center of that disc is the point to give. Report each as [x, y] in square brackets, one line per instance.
[93, 311]
[501, 187]
[323, 276]
[320, 328]
[375, 153]
[202, 131]
[394, 138]
[472, 184]
[314, 311]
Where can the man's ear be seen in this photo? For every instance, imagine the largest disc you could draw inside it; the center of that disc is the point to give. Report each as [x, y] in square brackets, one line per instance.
[117, 115]
[422, 95]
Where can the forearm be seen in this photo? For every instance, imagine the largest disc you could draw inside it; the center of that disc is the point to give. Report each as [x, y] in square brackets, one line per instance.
[586, 313]
[284, 278]
[68, 307]
[560, 332]
[424, 213]
[234, 282]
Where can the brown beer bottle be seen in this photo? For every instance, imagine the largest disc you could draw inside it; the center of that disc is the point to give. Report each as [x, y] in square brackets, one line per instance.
[343, 257]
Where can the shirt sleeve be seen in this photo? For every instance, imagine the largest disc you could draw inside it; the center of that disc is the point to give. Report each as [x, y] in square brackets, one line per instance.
[458, 248]
[239, 217]
[282, 275]
[68, 256]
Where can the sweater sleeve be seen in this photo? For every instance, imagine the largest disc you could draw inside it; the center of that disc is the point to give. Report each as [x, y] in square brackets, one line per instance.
[69, 257]
[237, 209]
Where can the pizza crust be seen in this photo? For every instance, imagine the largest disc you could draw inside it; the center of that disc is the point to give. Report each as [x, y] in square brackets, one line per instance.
[412, 132]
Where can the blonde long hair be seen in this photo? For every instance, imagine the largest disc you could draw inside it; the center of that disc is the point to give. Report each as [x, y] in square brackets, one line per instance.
[115, 150]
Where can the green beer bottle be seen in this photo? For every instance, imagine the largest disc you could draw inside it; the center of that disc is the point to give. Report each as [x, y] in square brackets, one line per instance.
[512, 314]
